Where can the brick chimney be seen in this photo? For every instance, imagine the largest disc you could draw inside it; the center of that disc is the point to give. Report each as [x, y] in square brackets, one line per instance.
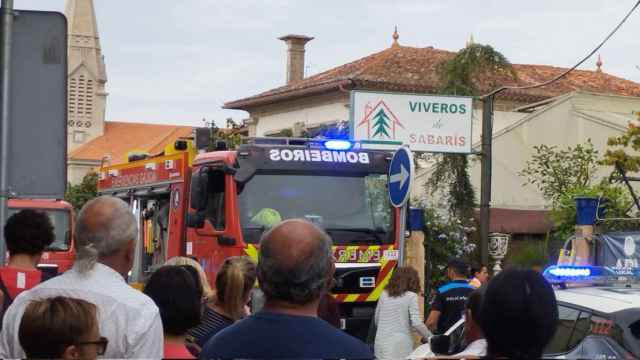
[295, 56]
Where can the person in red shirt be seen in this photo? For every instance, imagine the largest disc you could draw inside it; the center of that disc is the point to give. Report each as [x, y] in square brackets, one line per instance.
[177, 294]
[27, 234]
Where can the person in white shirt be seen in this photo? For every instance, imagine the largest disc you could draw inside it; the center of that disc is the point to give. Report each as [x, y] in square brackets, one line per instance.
[397, 313]
[105, 236]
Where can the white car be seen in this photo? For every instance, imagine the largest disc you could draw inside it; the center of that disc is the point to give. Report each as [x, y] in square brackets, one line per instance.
[595, 321]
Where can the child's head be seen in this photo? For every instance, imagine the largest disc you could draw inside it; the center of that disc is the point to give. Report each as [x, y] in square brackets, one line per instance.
[61, 328]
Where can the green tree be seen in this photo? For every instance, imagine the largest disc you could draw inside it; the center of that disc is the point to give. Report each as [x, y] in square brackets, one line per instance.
[561, 175]
[230, 135]
[474, 69]
[381, 124]
[445, 237]
[451, 177]
[78, 195]
[554, 172]
[615, 199]
[619, 154]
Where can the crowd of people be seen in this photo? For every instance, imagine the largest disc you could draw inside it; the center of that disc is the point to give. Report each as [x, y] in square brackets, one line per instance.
[91, 311]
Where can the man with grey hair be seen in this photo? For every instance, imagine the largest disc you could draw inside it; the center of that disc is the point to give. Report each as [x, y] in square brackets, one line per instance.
[295, 269]
[105, 236]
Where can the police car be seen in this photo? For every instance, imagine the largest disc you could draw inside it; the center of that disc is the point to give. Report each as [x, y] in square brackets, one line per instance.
[599, 313]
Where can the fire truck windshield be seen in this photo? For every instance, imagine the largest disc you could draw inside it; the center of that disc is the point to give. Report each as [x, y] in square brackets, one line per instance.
[60, 222]
[352, 209]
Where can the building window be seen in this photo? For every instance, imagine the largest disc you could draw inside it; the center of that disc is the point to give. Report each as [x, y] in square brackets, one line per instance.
[78, 136]
[80, 102]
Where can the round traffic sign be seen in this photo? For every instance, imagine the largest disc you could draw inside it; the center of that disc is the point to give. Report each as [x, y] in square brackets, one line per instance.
[400, 177]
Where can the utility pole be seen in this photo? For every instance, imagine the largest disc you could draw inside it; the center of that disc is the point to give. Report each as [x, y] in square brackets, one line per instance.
[485, 176]
[6, 24]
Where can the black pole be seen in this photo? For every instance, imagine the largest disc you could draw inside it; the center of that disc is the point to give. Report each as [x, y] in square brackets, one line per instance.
[485, 176]
[6, 24]
[427, 269]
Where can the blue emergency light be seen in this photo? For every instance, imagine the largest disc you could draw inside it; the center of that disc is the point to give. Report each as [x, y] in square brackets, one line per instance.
[570, 272]
[561, 274]
[338, 144]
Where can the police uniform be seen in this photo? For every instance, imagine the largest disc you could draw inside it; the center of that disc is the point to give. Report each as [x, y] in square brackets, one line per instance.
[450, 301]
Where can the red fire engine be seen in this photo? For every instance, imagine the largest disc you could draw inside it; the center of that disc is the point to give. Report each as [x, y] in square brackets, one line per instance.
[59, 256]
[219, 204]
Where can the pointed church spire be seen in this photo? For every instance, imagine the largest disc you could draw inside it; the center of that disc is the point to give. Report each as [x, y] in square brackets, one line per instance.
[81, 17]
[83, 34]
[86, 76]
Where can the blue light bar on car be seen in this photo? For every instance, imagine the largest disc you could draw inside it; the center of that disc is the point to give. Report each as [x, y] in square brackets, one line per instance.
[563, 274]
[590, 274]
[571, 271]
[338, 144]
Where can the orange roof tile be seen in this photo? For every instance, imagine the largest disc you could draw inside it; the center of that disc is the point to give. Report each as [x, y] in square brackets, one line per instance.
[411, 69]
[122, 137]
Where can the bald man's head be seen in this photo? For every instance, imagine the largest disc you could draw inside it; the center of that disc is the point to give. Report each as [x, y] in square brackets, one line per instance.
[105, 225]
[295, 263]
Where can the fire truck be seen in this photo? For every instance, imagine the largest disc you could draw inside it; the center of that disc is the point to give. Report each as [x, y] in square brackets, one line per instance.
[59, 256]
[217, 204]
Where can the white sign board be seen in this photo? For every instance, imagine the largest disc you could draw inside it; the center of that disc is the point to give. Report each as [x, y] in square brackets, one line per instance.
[424, 122]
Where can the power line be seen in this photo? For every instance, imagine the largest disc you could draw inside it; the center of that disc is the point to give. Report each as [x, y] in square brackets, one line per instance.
[572, 68]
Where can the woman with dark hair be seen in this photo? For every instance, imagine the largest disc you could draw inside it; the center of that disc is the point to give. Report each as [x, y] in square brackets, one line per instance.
[234, 282]
[519, 315]
[61, 328]
[397, 312]
[177, 296]
[479, 275]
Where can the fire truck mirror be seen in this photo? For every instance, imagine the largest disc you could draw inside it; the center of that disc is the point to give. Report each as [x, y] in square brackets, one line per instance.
[244, 174]
[199, 183]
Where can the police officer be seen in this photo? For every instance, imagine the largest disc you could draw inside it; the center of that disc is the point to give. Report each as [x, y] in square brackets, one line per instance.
[449, 303]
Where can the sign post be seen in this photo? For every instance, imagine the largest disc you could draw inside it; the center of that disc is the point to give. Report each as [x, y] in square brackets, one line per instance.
[6, 24]
[400, 180]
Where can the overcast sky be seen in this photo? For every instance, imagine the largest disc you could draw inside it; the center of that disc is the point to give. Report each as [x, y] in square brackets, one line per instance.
[177, 62]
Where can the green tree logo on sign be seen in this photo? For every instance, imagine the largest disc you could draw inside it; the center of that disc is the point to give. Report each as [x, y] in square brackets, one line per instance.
[381, 124]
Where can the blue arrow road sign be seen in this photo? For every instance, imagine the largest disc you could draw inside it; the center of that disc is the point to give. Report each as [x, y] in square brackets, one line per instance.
[400, 176]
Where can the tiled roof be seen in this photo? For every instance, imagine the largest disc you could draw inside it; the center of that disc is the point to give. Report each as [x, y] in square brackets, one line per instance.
[411, 69]
[514, 221]
[122, 137]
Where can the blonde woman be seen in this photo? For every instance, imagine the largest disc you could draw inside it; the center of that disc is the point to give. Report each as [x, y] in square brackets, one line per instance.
[207, 292]
[234, 281]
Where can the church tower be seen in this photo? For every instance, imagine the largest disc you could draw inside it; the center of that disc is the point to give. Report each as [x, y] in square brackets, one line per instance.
[86, 75]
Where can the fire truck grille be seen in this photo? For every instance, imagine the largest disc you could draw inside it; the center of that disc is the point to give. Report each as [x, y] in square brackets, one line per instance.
[356, 280]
